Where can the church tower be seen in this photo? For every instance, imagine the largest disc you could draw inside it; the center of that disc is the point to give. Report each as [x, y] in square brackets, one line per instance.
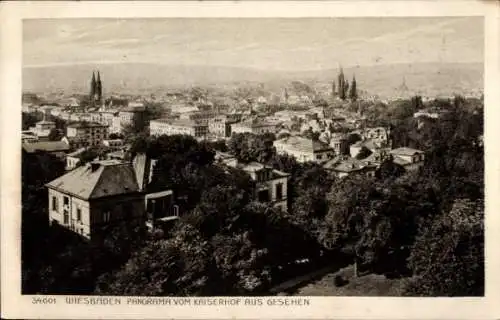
[96, 89]
[92, 88]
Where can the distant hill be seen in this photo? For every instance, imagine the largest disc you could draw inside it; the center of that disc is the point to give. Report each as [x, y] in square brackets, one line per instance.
[385, 80]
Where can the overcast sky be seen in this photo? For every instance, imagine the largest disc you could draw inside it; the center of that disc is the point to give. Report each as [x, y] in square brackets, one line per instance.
[276, 44]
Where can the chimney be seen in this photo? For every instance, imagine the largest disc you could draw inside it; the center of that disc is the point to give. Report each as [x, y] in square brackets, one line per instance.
[94, 166]
[142, 167]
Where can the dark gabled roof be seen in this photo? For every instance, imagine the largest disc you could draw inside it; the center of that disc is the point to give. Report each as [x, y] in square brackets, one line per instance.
[98, 179]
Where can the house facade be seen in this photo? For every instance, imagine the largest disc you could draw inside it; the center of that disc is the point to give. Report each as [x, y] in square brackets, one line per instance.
[255, 126]
[220, 126]
[104, 193]
[86, 134]
[304, 149]
[410, 159]
[172, 127]
[271, 185]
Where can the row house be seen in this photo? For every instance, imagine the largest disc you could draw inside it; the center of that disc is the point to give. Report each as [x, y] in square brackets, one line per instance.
[271, 185]
[256, 126]
[202, 116]
[304, 149]
[192, 128]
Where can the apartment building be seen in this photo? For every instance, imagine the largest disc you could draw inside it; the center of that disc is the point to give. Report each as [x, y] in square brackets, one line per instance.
[177, 126]
[220, 126]
[86, 134]
[255, 126]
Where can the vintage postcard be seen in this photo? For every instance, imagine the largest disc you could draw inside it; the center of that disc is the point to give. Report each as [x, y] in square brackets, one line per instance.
[250, 159]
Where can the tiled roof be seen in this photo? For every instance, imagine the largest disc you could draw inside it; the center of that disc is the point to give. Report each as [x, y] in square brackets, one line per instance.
[332, 163]
[48, 146]
[256, 123]
[345, 164]
[98, 179]
[86, 125]
[400, 161]
[405, 151]
[304, 144]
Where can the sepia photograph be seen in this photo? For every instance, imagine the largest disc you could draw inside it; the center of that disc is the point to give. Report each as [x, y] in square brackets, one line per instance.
[253, 157]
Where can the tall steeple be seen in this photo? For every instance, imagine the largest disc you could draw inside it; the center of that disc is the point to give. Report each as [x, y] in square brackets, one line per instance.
[92, 86]
[98, 88]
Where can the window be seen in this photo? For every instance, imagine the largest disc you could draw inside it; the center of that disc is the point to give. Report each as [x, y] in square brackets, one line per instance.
[263, 196]
[54, 203]
[66, 201]
[107, 216]
[318, 157]
[279, 191]
[66, 217]
[79, 214]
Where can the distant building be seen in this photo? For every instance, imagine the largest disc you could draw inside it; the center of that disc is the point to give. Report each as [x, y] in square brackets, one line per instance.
[271, 186]
[343, 166]
[192, 128]
[113, 143]
[28, 137]
[220, 126]
[73, 158]
[255, 126]
[134, 113]
[304, 149]
[202, 116]
[42, 129]
[86, 134]
[58, 148]
[410, 159]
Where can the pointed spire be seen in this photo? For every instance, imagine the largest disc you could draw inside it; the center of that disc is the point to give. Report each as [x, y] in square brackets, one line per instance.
[92, 86]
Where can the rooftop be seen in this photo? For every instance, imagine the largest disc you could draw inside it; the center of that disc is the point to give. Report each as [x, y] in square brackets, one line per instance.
[178, 122]
[304, 144]
[405, 151]
[98, 179]
[345, 164]
[86, 125]
[48, 146]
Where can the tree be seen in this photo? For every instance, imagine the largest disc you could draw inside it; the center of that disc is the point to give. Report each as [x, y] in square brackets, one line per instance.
[341, 85]
[448, 258]
[353, 94]
[178, 266]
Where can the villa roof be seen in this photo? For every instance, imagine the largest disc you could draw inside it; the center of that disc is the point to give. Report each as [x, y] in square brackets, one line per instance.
[304, 144]
[98, 179]
[405, 151]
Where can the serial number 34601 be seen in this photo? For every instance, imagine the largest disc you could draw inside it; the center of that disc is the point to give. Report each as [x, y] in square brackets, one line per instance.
[43, 300]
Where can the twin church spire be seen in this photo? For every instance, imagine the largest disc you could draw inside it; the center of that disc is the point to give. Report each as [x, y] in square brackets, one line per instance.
[96, 89]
